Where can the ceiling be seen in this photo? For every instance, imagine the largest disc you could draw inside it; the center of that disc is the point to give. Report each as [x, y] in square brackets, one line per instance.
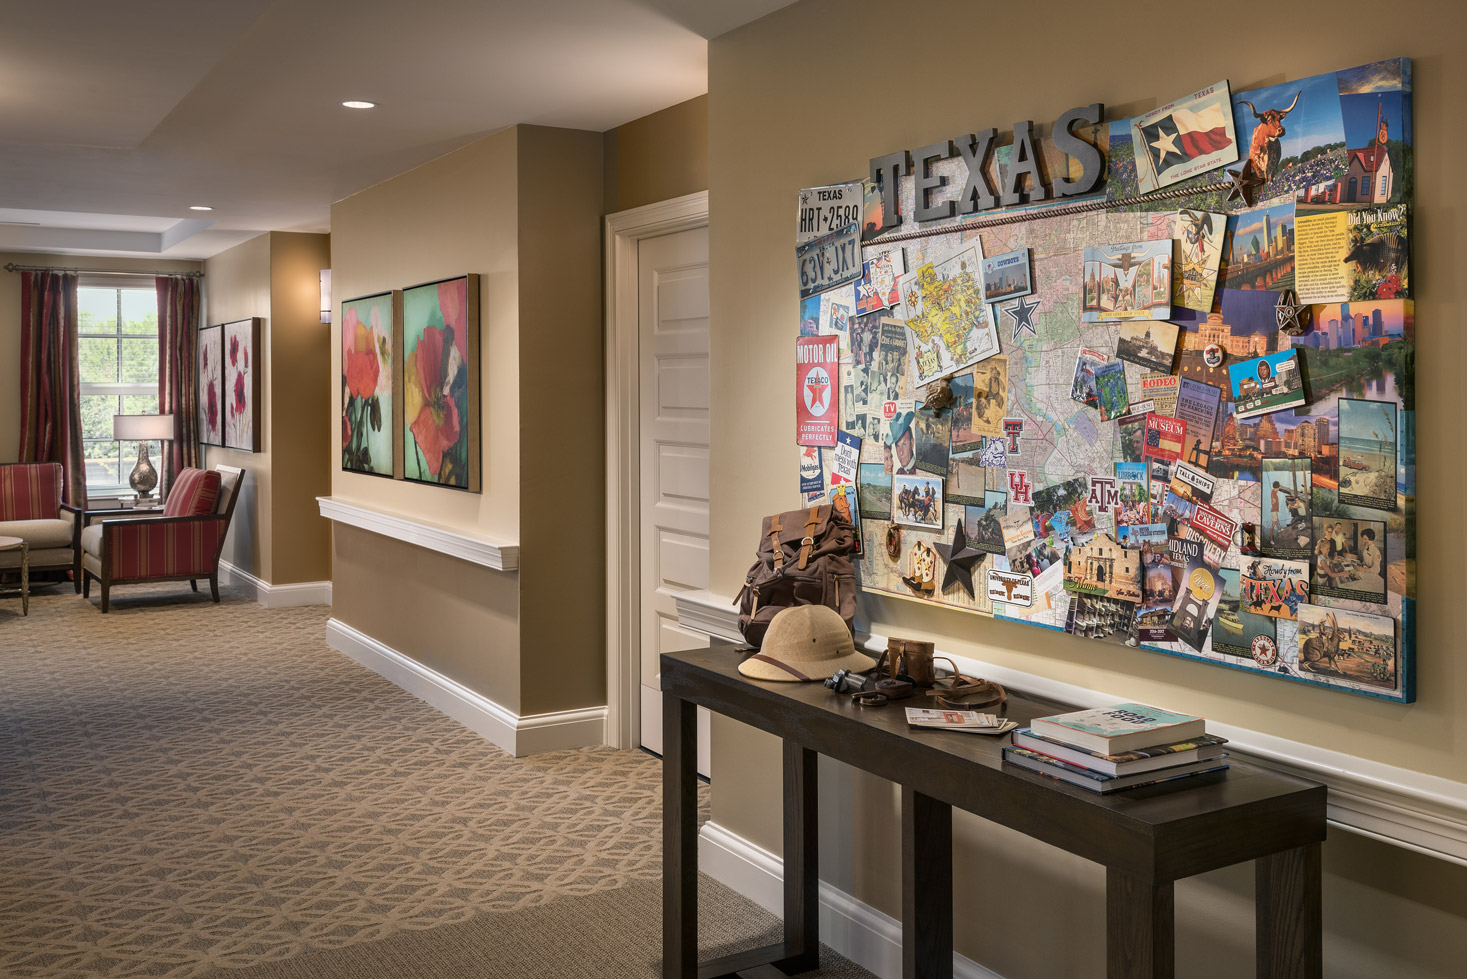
[116, 117]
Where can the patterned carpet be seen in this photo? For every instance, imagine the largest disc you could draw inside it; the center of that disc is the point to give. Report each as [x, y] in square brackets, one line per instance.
[187, 787]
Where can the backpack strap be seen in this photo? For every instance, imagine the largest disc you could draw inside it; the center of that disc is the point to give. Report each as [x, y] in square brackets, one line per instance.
[774, 540]
[808, 541]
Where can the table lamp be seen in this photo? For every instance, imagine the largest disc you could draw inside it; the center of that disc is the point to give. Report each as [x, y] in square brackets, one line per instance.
[143, 429]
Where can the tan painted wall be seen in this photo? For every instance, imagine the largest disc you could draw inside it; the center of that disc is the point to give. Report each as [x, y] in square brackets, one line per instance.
[765, 145]
[658, 156]
[455, 215]
[562, 422]
[300, 408]
[461, 619]
[10, 326]
[237, 286]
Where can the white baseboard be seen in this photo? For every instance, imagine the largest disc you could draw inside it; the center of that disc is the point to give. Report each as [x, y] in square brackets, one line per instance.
[861, 933]
[1420, 812]
[517, 735]
[275, 596]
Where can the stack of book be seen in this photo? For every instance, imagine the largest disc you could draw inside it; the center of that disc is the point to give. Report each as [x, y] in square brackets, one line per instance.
[1121, 747]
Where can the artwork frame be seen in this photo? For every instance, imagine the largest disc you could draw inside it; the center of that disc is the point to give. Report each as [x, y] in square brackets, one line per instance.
[449, 426]
[242, 384]
[362, 336]
[210, 362]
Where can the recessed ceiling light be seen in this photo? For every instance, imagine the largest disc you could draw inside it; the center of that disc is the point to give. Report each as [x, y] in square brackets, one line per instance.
[358, 104]
[200, 207]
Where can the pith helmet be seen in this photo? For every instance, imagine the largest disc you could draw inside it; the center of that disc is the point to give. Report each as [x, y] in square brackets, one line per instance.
[805, 642]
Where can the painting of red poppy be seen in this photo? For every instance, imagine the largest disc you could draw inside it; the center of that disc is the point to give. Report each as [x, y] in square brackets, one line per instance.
[368, 353]
[440, 389]
[241, 345]
[211, 386]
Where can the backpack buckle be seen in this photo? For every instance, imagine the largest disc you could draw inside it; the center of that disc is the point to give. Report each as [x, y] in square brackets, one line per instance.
[807, 541]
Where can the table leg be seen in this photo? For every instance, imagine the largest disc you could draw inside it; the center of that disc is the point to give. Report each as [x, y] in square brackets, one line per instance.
[1140, 923]
[801, 860]
[679, 838]
[927, 887]
[25, 578]
[1289, 918]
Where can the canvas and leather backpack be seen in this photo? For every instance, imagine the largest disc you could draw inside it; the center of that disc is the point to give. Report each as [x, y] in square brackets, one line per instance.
[804, 558]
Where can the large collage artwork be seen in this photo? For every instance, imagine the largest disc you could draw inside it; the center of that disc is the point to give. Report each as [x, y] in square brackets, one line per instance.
[1175, 412]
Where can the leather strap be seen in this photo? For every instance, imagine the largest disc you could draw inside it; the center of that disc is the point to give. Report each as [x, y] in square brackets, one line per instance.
[869, 698]
[783, 666]
[808, 541]
[983, 693]
[774, 539]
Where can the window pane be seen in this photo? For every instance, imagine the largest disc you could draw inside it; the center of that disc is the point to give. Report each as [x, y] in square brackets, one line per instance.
[139, 360]
[96, 310]
[97, 411]
[99, 360]
[139, 404]
[102, 464]
[140, 311]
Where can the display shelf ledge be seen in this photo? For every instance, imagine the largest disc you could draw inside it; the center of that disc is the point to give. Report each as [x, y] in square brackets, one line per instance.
[491, 552]
[1414, 810]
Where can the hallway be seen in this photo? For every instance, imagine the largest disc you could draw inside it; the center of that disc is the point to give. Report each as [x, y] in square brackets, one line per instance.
[188, 789]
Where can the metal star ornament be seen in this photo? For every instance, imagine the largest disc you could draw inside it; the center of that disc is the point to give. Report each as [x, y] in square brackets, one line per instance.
[1289, 312]
[1243, 183]
[960, 559]
[1021, 312]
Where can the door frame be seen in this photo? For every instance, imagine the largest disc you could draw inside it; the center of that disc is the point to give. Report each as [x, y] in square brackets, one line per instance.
[622, 233]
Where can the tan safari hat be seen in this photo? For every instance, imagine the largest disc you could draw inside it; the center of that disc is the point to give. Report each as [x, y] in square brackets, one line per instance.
[805, 642]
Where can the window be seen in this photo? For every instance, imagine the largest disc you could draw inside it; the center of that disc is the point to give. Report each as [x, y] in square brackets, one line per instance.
[1385, 186]
[117, 343]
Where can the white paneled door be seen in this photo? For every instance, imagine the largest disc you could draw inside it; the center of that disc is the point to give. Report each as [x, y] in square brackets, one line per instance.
[672, 307]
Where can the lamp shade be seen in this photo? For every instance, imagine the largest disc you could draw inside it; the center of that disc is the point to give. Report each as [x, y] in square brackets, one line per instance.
[325, 295]
[142, 428]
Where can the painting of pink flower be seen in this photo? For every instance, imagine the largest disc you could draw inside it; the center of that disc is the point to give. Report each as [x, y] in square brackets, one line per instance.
[440, 432]
[211, 396]
[240, 409]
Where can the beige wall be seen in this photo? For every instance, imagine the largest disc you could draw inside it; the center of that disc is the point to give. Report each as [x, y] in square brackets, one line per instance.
[10, 325]
[765, 145]
[658, 156]
[521, 208]
[562, 421]
[237, 286]
[277, 533]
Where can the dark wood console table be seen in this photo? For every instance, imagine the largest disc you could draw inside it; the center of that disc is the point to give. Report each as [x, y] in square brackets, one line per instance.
[1147, 838]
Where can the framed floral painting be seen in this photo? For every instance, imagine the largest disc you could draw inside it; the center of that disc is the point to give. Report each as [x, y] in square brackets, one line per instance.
[371, 439]
[242, 384]
[440, 389]
[211, 385]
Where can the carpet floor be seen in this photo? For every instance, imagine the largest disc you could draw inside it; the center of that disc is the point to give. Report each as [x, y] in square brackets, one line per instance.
[191, 790]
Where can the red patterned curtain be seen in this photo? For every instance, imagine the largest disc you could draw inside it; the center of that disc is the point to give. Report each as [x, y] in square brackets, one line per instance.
[50, 379]
[178, 369]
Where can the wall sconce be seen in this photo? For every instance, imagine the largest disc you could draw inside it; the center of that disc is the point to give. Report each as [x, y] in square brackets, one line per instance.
[325, 295]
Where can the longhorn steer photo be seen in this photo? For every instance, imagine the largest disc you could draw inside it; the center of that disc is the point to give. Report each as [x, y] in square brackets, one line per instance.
[1263, 152]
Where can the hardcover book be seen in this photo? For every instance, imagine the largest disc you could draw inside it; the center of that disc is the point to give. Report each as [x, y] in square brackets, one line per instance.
[1111, 730]
[1127, 762]
[1095, 782]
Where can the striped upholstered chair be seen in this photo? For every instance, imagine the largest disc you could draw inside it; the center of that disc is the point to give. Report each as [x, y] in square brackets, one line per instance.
[183, 544]
[31, 509]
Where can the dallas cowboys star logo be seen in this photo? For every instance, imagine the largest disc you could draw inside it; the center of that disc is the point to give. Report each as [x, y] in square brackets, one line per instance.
[1021, 311]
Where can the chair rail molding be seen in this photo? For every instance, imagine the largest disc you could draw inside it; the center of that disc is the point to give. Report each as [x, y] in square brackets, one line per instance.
[620, 234]
[492, 552]
[1421, 812]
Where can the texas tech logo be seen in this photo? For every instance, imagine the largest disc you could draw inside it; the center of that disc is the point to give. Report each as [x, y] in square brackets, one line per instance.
[1012, 429]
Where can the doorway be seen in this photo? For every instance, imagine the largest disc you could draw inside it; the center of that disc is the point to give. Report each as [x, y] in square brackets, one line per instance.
[657, 453]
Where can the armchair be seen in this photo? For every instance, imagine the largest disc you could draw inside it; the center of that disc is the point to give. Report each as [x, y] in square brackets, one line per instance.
[183, 544]
[31, 509]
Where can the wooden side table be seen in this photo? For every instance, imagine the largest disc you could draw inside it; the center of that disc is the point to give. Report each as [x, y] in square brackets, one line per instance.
[17, 543]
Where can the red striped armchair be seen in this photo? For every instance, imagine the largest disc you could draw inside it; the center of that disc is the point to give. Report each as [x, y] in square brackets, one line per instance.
[31, 509]
[183, 544]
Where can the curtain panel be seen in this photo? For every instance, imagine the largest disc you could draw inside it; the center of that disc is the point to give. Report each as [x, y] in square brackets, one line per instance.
[50, 379]
[178, 369]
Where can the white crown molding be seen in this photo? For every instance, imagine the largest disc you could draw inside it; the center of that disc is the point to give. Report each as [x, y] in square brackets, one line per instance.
[1420, 812]
[275, 596]
[866, 936]
[501, 555]
[520, 736]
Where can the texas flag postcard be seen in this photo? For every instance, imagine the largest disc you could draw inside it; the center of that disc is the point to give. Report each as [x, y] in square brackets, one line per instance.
[1184, 138]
